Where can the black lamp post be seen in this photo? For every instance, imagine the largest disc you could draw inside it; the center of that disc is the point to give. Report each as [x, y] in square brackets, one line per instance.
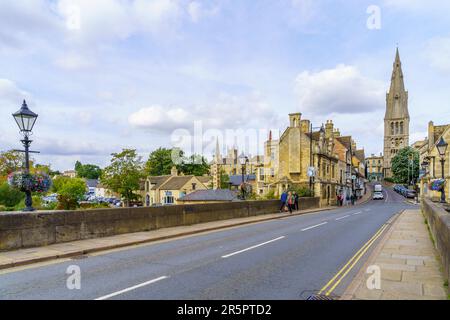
[442, 149]
[243, 160]
[25, 119]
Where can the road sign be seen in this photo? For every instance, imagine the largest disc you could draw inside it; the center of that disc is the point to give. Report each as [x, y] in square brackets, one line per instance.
[311, 172]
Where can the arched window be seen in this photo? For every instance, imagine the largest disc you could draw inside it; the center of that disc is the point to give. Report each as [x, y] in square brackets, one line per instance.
[396, 128]
[392, 128]
[401, 127]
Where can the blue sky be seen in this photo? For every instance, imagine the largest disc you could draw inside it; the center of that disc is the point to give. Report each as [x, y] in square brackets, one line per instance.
[109, 74]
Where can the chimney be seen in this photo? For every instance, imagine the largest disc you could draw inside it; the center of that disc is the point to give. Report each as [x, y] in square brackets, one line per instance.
[174, 172]
[305, 126]
[329, 129]
[337, 132]
[270, 135]
[294, 120]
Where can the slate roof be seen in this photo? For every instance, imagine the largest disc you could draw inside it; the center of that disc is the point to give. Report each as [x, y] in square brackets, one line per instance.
[236, 180]
[210, 195]
[91, 183]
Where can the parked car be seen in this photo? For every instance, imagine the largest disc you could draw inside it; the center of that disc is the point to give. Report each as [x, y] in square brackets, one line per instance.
[410, 194]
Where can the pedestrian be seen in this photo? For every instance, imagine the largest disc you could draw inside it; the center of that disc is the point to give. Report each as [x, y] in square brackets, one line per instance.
[283, 200]
[290, 201]
[353, 199]
[296, 201]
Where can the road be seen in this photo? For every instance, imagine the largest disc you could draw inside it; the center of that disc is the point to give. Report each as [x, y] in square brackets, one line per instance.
[288, 258]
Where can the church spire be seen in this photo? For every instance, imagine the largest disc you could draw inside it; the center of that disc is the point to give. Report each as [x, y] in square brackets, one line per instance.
[397, 97]
[217, 156]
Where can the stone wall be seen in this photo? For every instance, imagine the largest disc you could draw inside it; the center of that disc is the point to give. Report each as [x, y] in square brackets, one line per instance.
[439, 222]
[23, 230]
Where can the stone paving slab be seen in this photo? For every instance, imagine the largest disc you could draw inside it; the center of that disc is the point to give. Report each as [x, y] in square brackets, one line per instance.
[20, 257]
[409, 264]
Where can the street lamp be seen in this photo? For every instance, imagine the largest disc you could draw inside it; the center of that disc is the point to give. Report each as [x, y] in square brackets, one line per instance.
[25, 119]
[243, 160]
[442, 149]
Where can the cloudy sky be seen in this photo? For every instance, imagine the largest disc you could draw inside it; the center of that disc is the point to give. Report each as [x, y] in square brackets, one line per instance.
[109, 74]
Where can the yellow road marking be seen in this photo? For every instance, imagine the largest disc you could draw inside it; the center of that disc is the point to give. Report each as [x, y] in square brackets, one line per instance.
[354, 263]
[352, 258]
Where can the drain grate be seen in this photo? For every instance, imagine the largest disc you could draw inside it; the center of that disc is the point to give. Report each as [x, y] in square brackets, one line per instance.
[319, 297]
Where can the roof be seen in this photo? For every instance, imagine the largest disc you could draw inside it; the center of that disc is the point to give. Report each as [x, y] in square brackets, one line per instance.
[210, 195]
[236, 180]
[91, 183]
[360, 155]
[204, 179]
[175, 183]
[346, 141]
[157, 181]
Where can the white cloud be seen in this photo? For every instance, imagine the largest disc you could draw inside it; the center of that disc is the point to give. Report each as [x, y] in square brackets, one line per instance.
[10, 93]
[197, 10]
[227, 112]
[339, 90]
[73, 62]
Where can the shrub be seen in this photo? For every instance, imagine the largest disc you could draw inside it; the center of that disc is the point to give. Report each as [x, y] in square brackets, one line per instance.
[2, 208]
[9, 197]
[70, 193]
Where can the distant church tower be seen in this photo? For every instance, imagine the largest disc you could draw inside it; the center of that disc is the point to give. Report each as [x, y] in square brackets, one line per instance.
[216, 167]
[396, 120]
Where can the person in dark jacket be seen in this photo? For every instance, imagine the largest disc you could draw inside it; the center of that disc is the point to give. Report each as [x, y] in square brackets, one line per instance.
[295, 201]
[283, 200]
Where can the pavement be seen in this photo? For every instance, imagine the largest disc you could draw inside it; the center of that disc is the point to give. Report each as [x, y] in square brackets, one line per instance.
[409, 265]
[287, 257]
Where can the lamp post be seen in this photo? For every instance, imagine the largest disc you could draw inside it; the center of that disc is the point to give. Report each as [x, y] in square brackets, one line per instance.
[243, 160]
[25, 119]
[442, 149]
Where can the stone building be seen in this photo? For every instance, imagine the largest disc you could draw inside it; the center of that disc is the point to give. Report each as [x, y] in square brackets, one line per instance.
[429, 154]
[374, 166]
[396, 120]
[166, 190]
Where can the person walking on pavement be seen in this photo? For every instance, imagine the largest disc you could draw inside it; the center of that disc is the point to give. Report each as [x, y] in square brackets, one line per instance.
[290, 201]
[283, 200]
[295, 201]
[353, 199]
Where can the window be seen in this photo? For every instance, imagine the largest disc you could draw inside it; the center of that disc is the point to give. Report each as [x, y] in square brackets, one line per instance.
[396, 128]
[194, 185]
[401, 127]
[272, 172]
[261, 174]
[392, 128]
[169, 200]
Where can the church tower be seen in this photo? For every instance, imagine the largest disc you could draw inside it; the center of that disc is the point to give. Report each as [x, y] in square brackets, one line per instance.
[396, 120]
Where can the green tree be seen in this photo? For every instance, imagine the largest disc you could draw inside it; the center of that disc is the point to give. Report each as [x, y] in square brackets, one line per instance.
[71, 193]
[224, 180]
[58, 183]
[11, 161]
[123, 174]
[10, 197]
[160, 162]
[88, 171]
[405, 165]
[194, 165]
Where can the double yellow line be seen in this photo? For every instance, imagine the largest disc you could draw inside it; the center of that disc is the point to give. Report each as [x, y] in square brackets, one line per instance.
[337, 279]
